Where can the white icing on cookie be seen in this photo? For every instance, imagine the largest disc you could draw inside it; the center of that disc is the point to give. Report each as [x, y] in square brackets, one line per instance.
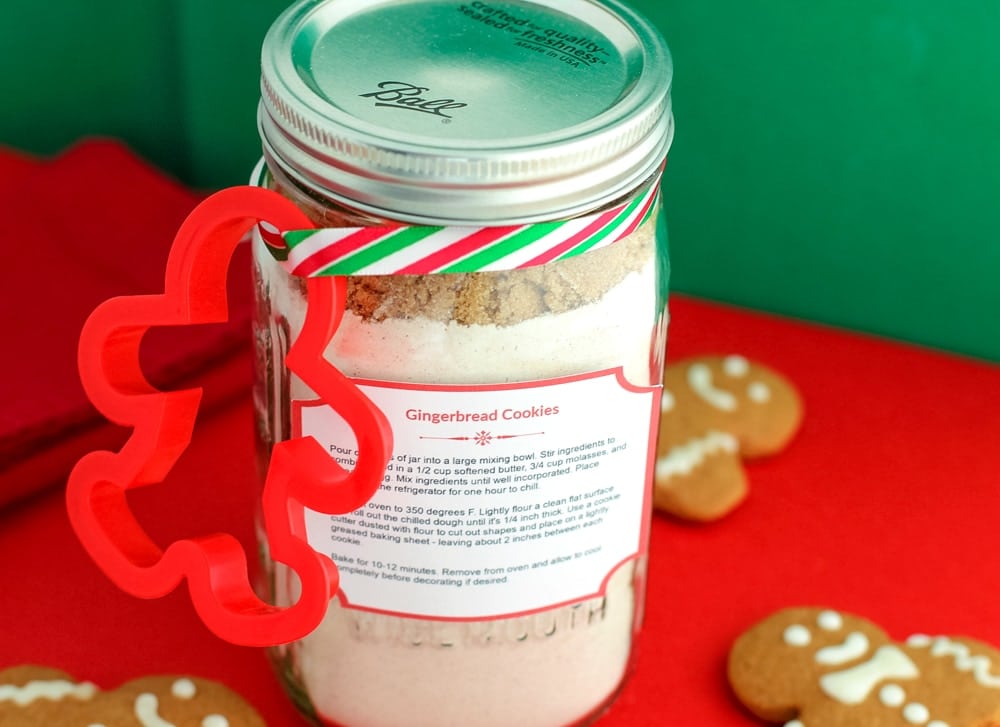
[147, 711]
[854, 647]
[184, 689]
[53, 690]
[794, 723]
[852, 686]
[667, 401]
[830, 621]
[964, 661]
[937, 723]
[892, 695]
[759, 392]
[916, 713]
[735, 366]
[699, 378]
[147, 707]
[797, 635]
[683, 458]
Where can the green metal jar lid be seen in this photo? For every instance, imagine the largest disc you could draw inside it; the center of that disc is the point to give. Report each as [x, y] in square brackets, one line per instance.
[463, 112]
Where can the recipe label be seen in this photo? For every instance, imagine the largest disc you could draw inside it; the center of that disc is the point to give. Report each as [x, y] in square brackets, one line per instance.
[498, 501]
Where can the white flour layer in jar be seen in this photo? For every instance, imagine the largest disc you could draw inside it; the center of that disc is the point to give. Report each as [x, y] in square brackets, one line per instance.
[540, 681]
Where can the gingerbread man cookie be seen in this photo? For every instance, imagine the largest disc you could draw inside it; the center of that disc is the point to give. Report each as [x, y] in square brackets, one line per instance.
[35, 695]
[717, 411]
[813, 667]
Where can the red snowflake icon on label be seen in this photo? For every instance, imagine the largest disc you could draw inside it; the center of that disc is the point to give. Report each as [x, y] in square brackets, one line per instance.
[483, 438]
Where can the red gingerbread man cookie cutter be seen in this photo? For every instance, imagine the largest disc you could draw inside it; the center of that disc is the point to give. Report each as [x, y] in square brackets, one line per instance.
[301, 474]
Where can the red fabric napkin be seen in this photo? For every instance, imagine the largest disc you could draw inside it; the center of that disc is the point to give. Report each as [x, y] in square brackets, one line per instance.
[93, 223]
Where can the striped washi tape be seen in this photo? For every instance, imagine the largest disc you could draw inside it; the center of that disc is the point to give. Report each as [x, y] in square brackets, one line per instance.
[421, 250]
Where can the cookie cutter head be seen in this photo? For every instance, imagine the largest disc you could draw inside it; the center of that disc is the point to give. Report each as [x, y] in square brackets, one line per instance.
[300, 475]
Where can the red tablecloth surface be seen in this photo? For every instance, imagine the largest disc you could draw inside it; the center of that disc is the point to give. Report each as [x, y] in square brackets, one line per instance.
[886, 504]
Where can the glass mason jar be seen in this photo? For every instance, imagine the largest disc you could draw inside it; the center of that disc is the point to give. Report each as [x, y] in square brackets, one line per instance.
[486, 177]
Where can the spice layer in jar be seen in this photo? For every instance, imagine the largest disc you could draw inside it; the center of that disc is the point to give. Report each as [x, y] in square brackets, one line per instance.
[498, 575]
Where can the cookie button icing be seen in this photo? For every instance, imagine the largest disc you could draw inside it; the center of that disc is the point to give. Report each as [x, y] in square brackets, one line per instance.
[916, 713]
[735, 366]
[759, 392]
[892, 695]
[797, 635]
[830, 621]
[184, 689]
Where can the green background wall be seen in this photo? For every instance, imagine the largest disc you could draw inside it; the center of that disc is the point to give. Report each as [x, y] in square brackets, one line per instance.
[836, 161]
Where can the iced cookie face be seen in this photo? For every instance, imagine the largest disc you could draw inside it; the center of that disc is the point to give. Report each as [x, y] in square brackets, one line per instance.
[814, 667]
[43, 696]
[717, 411]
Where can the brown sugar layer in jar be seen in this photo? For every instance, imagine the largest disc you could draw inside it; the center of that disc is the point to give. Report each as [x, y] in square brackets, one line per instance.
[499, 298]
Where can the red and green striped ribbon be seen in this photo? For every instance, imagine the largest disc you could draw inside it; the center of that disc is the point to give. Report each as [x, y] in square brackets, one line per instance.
[420, 250]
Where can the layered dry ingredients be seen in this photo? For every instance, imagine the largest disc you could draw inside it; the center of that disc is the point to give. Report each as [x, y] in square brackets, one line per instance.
[588, 313]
